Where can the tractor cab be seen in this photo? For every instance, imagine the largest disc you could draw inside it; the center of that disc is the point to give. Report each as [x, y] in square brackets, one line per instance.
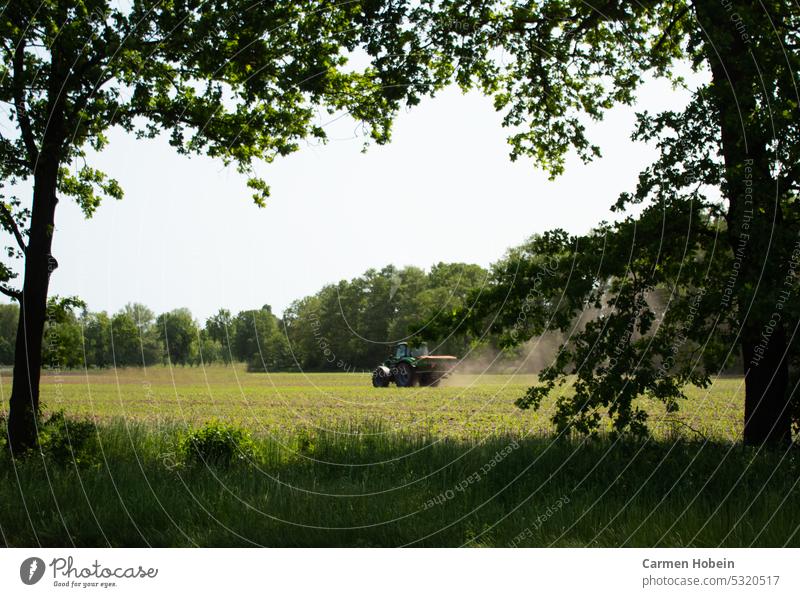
[402, 351]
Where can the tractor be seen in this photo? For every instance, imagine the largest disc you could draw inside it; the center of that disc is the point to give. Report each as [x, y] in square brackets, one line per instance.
[408, 367]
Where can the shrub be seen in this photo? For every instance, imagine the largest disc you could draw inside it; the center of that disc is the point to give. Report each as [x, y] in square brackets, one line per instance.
[69, 441]
[217, 443]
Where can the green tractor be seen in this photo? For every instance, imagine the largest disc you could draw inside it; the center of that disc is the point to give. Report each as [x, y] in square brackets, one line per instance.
[408, 367]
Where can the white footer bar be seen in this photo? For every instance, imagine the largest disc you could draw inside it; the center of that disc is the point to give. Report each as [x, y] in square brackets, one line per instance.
[376, 572]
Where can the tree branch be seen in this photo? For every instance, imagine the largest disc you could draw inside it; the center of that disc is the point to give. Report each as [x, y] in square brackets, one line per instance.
[19, 162]
[8, 220]
[10, 292]
[665, 35]
[19, 101]
[9, 152]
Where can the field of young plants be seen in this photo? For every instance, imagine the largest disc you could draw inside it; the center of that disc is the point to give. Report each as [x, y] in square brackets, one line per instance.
[465, 407]
[221, 457]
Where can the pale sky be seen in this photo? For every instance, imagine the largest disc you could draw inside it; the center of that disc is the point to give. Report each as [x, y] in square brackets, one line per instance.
[188, 235]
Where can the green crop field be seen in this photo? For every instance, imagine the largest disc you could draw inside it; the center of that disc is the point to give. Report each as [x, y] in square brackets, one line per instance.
[468, 406]
[337, 462]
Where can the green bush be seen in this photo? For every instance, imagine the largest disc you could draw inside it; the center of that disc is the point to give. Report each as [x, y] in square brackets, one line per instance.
[69, 441]
[217, 443]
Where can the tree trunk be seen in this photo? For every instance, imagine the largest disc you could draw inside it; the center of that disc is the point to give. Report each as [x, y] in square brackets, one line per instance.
[24, 403]
[767, 419]
[754, 217]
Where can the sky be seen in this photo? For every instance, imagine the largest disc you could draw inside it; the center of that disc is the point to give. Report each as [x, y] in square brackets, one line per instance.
[187, 233]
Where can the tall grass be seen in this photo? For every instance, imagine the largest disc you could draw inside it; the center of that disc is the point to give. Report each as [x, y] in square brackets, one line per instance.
[364, 485]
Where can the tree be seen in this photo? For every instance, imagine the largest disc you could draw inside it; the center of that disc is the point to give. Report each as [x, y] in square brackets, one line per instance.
[237, 80]
[302, 322]
[9, 314]
[718, 229]
[63, 338]
[141, 315]
[97, 339]
[260, 341]
[448, 286]
[210, 350]
[148, 351]
[129, 341]
[349, 326]
[219, 328]
[179, 336]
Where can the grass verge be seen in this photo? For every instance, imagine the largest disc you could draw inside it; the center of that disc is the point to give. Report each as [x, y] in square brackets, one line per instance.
[364, 485]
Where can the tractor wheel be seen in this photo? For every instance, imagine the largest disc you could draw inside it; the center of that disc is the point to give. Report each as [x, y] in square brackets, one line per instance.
[380, 377]
[405, 377]
[435, 381]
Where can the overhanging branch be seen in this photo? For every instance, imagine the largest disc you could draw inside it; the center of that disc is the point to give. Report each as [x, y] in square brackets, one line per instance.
[8, 220]
[668, 29]
[10, 292]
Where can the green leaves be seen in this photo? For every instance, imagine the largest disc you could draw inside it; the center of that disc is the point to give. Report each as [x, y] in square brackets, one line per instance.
[553, 66]
[237, 81]
[216, 444]
[88, 187]
[261, 189]
[636, 313]
[661, 299]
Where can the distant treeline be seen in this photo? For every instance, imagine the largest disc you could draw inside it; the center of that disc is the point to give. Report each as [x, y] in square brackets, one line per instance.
[344, 327]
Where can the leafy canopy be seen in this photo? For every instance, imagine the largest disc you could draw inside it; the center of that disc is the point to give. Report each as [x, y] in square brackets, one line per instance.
[242, 81]
[663, 296]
